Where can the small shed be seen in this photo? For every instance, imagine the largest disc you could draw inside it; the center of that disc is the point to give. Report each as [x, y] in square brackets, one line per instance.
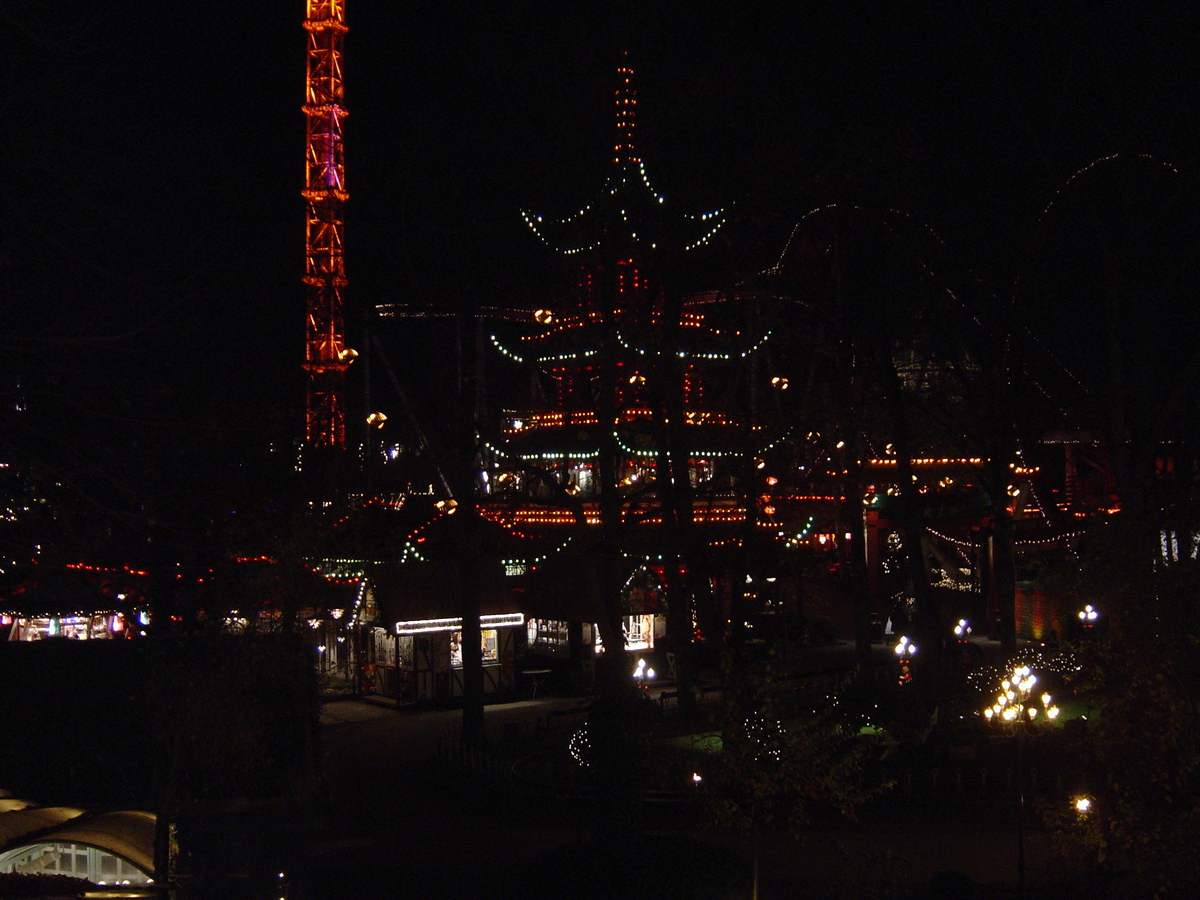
[73, 602]
[417, 651]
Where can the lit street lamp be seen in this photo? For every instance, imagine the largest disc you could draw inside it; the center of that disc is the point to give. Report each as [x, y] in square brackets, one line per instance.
[905, 650]
[1019, 711]
[643, 675]
[1015, 703]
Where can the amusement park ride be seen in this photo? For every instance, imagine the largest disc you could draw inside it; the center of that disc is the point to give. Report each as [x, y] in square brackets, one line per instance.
[326, 354]
[596, 417]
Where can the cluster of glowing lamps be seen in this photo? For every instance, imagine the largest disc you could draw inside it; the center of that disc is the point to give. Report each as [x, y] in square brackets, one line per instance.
[643, 675]
[904, 651]
[1015, 701]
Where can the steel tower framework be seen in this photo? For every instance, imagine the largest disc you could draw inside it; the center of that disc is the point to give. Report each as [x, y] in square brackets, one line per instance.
[326, 356]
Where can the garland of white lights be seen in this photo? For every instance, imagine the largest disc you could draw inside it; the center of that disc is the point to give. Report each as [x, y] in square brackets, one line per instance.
[339, 569]
[794, 541]
[766, 337]
[682, 354]
[537, 561]
[628, 346]
[562, 357]
[697, 455]
[411, 551]
[1041, 507]
[636, 454]
[505, 350]
[582, 456]
[957, 542]
[1094, 164]
[625, 344]
[775, 443]
[646, 181]
[567, 357]
[1044, 542]
[496, 451]
[533, 221]
[358, 602]
[706, 238]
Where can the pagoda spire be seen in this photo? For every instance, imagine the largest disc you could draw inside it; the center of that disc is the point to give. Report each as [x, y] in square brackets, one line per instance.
[629, 213]
[625, 153]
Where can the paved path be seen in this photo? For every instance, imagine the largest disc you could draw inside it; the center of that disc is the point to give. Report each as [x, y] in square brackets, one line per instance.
[392, 815]
[396, 827]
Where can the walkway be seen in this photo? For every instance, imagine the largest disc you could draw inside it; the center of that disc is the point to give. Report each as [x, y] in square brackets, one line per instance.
[396, 824]
[391, 814]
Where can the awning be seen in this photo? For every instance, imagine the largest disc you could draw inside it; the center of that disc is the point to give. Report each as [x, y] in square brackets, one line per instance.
[406, 592]
[125, 833]
[21, 823]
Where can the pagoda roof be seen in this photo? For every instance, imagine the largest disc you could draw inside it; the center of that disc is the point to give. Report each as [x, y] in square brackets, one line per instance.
[408, 592]
[575, 339]
[629, 216]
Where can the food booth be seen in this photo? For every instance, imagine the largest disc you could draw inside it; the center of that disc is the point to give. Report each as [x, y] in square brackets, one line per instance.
[417, 649]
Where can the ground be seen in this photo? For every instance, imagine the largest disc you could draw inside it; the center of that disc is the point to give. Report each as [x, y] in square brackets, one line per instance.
[399, 823]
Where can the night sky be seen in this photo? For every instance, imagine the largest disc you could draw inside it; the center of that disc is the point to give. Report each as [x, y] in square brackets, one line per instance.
[152, 219]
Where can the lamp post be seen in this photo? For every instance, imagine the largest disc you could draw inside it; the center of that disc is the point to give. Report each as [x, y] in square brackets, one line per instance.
[904, 652]
[1017, 710]
[642, 676]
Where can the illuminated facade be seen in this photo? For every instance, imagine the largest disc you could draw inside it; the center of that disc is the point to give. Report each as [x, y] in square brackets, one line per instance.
[640, 400]
[612, 359]
[326, 355]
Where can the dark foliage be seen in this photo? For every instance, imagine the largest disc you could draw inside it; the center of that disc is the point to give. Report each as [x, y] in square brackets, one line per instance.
[126, 722]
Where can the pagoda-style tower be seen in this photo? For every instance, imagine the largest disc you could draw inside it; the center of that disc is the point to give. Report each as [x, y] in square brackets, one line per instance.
[326, 356]
[614, 238]
[612, 363]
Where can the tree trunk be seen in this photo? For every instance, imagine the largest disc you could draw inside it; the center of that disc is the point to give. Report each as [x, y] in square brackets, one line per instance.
[470, 558]
[1004, 577]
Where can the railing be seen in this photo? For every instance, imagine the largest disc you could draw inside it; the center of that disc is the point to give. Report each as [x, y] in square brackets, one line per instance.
[971, 784]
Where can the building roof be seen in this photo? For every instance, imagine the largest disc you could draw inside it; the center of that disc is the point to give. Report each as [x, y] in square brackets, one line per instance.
[433, 590]
[33, 820]
[66, 590]
[128, 834]
[125, 833]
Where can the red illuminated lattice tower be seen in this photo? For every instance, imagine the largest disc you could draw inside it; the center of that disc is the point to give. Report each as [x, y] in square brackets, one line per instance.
[326, 356]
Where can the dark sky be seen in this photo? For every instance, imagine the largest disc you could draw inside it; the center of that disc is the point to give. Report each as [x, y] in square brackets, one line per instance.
[155, 153]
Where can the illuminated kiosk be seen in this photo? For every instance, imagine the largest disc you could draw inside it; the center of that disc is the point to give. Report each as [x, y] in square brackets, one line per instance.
[112, 848]
[75, 602]
[419, 658]
[562, 602]
[82, 626]
[434, 647]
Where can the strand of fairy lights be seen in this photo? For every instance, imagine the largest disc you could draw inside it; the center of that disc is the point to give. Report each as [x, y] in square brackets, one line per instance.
[803, 534]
